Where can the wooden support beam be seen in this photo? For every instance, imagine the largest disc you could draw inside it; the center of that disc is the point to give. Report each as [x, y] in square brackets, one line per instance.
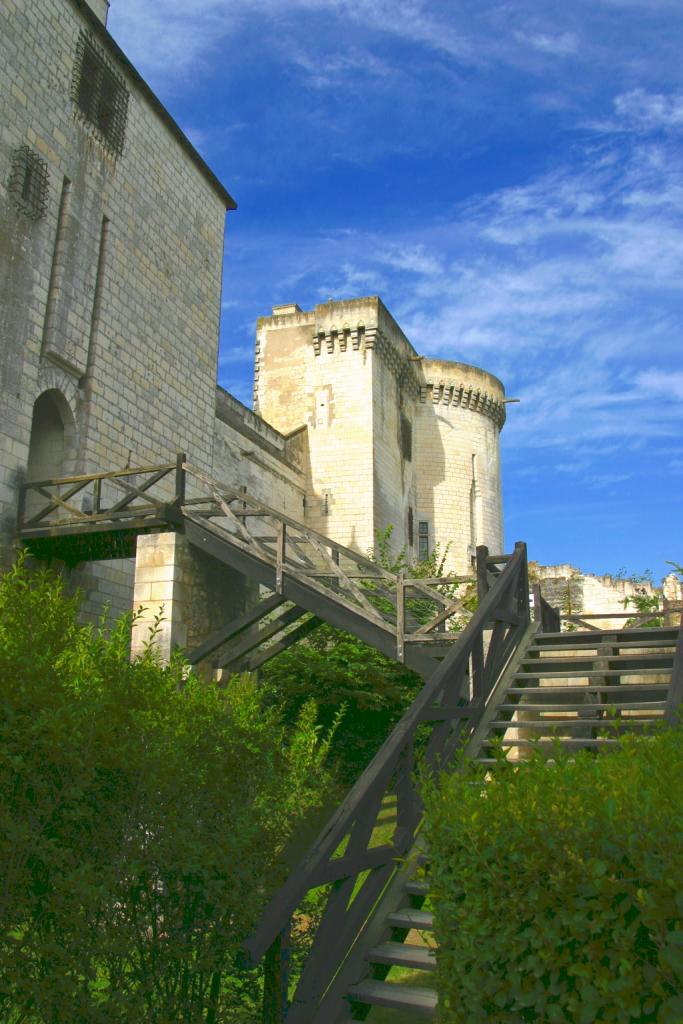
[257, 636]
[446, 613]
[287, 641]
[234, 628]
[140, 491]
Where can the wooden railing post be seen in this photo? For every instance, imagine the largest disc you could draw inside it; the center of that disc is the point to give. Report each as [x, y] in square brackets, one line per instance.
[675, 697]
[21, 508]
[523, 586]
[477, 668]
[97, 496]
[280, 544]
[482, 576]
[180, 478]
[276, 979]
[407, 800]
[400, 617]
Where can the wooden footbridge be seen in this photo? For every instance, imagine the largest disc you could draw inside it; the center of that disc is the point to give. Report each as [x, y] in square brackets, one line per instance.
[511, 675]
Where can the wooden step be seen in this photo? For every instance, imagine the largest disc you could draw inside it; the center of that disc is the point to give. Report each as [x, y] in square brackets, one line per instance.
[619, 725]
[621, 645]
[592, 673]
[604, 636]
[410, 917]
[400, 954]
[630, 633]
[549, 741]
[418, 887]
[641, 705]
[579, 689]
[622, 662]
[420, 1001]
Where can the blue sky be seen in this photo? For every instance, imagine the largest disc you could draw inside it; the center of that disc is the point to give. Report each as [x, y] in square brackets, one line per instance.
[508, 176]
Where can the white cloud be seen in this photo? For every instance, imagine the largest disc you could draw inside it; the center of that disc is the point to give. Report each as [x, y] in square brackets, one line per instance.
[561, 45]
[413, 258]
[666, 383]
[650, 110]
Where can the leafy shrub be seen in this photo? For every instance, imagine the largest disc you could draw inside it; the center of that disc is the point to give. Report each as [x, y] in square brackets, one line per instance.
[336, 670]
[143, 817]
[558, 887]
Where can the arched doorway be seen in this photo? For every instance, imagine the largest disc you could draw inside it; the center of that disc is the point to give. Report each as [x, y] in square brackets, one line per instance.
[52, 443]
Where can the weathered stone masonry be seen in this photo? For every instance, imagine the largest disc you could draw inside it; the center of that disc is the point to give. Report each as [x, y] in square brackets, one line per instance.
[109, 301]
[111, 249]
[392, 438]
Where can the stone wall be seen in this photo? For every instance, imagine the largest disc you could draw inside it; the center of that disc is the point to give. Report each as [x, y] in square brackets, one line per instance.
[249, 453]
[110, 282]
[572, 591]
[111, 245]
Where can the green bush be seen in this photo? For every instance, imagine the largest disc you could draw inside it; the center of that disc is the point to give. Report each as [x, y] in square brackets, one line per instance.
[143, 816]
[558, 887]
[336, 670]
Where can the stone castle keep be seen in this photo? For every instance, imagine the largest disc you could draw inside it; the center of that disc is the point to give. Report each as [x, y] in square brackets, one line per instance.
[234, 533]
[111, 249]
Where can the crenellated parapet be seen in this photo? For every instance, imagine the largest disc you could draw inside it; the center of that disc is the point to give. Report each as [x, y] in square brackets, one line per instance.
[391, 437]
[460, 393]
[437, 382]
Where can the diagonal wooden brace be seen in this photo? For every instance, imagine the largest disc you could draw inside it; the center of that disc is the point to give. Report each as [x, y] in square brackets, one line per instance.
[234, 628]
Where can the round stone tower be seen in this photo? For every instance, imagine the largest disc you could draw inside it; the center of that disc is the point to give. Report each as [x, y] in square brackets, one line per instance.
[458, 420]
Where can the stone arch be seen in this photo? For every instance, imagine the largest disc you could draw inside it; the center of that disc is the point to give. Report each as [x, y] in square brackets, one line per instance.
[53, 378]
[52, 446]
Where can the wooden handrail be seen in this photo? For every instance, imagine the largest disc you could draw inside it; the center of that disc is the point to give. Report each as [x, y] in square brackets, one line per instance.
[544, 612]
[468, 667]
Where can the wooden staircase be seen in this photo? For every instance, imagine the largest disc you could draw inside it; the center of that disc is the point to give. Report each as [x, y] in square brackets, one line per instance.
[581, 690]
[505, 684]
[310, 577]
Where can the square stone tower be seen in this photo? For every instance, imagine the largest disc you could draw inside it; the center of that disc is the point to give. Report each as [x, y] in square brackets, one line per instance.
[392, 439]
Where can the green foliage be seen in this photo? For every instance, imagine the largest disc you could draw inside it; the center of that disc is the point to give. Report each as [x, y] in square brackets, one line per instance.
[143, 816]
[557, 887]
[336, 670]
[644, 603]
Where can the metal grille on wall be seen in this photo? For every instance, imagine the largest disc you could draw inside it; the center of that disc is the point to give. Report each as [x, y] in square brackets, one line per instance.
[100, 94]
[28, 183]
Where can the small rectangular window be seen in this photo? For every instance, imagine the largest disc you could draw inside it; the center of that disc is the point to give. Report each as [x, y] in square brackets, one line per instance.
[423, 540]
[28, 182]
[411, 527]
[100, 94]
